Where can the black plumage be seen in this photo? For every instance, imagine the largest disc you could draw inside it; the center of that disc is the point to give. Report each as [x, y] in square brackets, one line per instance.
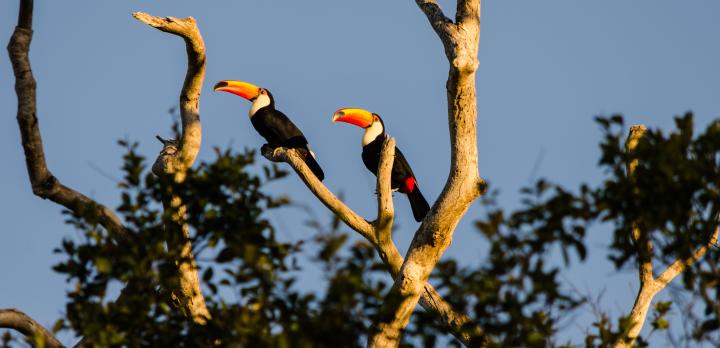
[402, 177]
[279, 131]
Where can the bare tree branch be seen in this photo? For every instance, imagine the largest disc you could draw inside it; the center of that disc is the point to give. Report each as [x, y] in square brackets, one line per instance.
[467, 13]
[459, 324]
[25, 14]
[35, 333]
[680, 265]
[636, 133]
[464, 184]
[442, 25]
[189, 144]
[649, 285]
[347, 215]
[44, 184]
[177, 157]
[386, 211]
[177, 160]
[644, 244]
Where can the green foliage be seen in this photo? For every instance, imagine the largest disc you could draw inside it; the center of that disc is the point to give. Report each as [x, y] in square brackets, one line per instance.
[674, 194]
[248, 274]
[673, 197]
[514, 292]
[658, 321]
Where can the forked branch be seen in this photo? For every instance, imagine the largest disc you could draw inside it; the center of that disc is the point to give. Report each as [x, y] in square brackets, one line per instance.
[463, 186]
[44, 184]
[453, 321]
[649, 285]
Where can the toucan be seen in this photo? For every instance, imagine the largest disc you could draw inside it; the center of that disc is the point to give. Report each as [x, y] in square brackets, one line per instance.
[272, 124]
[402, 178]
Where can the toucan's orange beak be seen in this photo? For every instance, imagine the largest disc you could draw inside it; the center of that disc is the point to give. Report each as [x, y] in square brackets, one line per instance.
[359, 117]
[243, 89]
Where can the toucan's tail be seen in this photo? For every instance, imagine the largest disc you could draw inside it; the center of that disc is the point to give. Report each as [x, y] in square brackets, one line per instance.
[419, 205]
[314, 166]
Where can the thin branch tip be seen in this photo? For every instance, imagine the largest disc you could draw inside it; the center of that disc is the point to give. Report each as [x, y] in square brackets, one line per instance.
[638, 128]
[153, 21]
[143, 17]
[165, 23]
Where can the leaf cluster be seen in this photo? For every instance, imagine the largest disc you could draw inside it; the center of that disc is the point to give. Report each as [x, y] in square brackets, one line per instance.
[250, 276]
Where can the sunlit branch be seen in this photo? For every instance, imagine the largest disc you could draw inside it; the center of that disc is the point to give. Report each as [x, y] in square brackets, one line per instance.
[35, 333]
[177, 157]
[453, 321]
[460, 41]
[649, 285]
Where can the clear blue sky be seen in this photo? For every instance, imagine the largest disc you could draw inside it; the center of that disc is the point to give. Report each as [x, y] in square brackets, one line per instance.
[546, 69]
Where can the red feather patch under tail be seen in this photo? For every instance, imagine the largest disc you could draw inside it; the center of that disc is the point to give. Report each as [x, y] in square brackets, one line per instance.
[409, 184]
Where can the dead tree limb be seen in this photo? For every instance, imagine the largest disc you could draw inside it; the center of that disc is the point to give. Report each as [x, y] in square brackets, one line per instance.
[386, 211]
[177, 157]
[35, 333]
[378, 233]
[44, 184]
[460, 40]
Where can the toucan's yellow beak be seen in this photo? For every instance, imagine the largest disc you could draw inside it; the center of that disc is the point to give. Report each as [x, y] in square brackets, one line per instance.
[243, 89]
[359, 117]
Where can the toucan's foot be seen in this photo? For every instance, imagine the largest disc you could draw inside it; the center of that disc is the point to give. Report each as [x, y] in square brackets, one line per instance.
[268, 152]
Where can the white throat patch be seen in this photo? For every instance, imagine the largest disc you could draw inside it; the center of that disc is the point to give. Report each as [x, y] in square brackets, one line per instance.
[260, 102]
[372, 132]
